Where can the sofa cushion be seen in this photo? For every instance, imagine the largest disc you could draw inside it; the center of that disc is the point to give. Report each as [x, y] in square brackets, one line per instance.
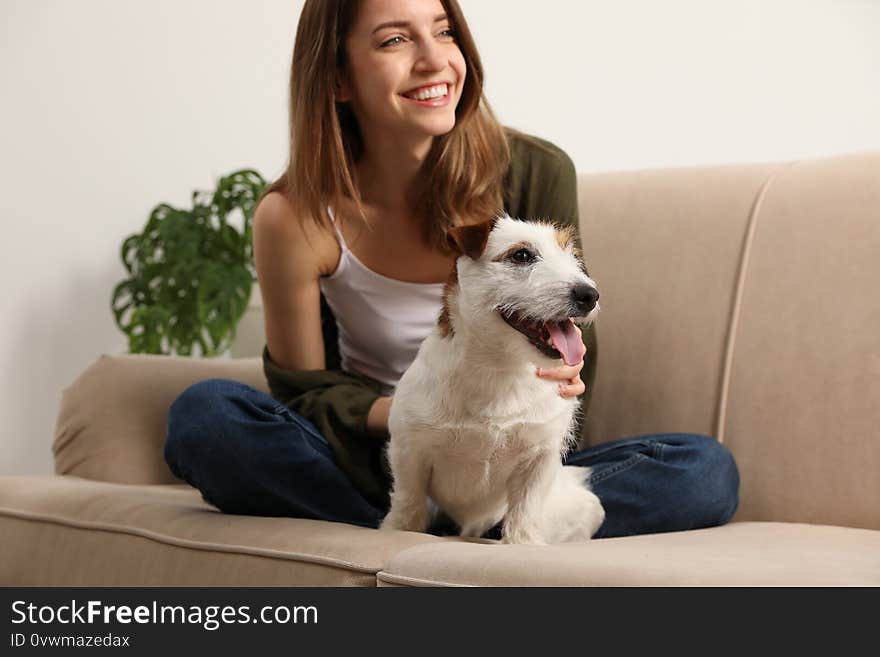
[68, 531]
[738, 554]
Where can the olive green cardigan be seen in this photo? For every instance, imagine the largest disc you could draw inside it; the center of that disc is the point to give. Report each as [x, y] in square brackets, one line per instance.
[540, 183]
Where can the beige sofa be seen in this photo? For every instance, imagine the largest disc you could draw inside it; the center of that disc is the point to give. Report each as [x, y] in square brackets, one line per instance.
[738, 301]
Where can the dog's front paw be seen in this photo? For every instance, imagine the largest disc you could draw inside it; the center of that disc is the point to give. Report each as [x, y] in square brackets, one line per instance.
[522, 536]
[415, 520]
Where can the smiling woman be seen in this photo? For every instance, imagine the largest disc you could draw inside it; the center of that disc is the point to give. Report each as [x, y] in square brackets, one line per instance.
[386, 146]
[392, 144]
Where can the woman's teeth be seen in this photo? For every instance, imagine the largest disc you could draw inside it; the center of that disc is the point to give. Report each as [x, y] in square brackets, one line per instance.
[431, 92]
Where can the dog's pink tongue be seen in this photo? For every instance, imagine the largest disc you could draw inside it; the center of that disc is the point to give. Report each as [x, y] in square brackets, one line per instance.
[567, 341]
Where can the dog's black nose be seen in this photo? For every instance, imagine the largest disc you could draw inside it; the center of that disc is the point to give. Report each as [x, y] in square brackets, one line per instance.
[584, 298]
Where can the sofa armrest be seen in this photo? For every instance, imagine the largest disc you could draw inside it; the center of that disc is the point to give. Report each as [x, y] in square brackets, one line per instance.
[112, 421]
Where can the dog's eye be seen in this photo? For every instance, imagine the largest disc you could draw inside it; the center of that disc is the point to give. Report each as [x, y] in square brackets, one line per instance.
[522, 256]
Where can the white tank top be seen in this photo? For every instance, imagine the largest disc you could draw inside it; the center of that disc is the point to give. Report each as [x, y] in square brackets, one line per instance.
[381, 321]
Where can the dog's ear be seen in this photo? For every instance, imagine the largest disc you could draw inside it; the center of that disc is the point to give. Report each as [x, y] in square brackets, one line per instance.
[470, 240]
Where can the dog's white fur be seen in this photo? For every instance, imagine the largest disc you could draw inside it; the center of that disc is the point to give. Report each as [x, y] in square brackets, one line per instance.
[473, 430]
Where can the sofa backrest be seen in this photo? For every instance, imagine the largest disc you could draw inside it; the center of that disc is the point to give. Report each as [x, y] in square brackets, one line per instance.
[742, 302]
[739, 302]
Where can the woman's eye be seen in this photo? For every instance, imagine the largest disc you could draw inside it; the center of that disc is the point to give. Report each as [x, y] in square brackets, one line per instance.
[523, 256]
[450, 33]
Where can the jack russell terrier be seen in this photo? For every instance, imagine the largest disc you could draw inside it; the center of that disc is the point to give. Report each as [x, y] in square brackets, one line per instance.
[473, 431]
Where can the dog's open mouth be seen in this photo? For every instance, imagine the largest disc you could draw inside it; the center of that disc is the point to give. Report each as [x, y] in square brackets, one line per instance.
[553, 338]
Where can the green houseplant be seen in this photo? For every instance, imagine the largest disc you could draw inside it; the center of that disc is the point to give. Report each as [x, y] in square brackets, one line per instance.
[190, 272]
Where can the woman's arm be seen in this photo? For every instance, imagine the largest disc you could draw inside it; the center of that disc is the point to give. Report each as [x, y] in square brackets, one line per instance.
[377, 418]
[289, 255]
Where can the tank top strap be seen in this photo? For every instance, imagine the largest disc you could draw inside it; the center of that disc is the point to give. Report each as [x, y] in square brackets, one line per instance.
[342, 243]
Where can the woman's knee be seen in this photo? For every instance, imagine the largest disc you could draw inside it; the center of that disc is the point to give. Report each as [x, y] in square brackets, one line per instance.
[194, 417]
[709, 482]
[702, 482]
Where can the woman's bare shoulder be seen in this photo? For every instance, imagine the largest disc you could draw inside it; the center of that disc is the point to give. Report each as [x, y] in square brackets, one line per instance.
[312, 245]
[290, 256]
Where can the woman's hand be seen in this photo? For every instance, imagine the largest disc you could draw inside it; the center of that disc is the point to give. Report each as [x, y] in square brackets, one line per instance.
[569, 375]
[377, 418]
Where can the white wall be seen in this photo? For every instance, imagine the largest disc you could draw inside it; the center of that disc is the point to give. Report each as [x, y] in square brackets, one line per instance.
[111, 106]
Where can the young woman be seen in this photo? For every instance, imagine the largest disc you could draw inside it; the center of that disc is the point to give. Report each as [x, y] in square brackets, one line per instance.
[391, 143]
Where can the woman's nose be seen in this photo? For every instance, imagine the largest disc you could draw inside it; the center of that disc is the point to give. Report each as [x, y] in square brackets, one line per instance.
[432, 56]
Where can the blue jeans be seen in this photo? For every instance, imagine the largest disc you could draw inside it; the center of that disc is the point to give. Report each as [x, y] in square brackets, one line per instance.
[248, 454]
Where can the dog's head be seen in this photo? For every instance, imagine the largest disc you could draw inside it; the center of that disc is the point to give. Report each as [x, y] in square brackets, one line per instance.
[527, 276]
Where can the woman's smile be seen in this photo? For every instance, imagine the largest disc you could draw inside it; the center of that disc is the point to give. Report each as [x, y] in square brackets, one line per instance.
[432, 96]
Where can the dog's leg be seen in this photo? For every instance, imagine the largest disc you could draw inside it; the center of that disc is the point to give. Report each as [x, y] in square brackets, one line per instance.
[528, 487]
[572, 512]
[476, 528]
[409, 496]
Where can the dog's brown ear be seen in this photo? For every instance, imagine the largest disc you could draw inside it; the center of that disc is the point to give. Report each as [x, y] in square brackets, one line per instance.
[470, 240]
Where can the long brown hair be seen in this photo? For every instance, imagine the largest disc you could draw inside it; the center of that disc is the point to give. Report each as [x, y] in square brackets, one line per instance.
[461, 180]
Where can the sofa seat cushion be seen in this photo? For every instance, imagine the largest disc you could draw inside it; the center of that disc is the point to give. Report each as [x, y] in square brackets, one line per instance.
[738, 554]
[68, 531]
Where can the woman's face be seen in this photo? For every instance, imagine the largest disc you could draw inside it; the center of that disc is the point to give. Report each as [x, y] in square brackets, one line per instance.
[388, 64]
